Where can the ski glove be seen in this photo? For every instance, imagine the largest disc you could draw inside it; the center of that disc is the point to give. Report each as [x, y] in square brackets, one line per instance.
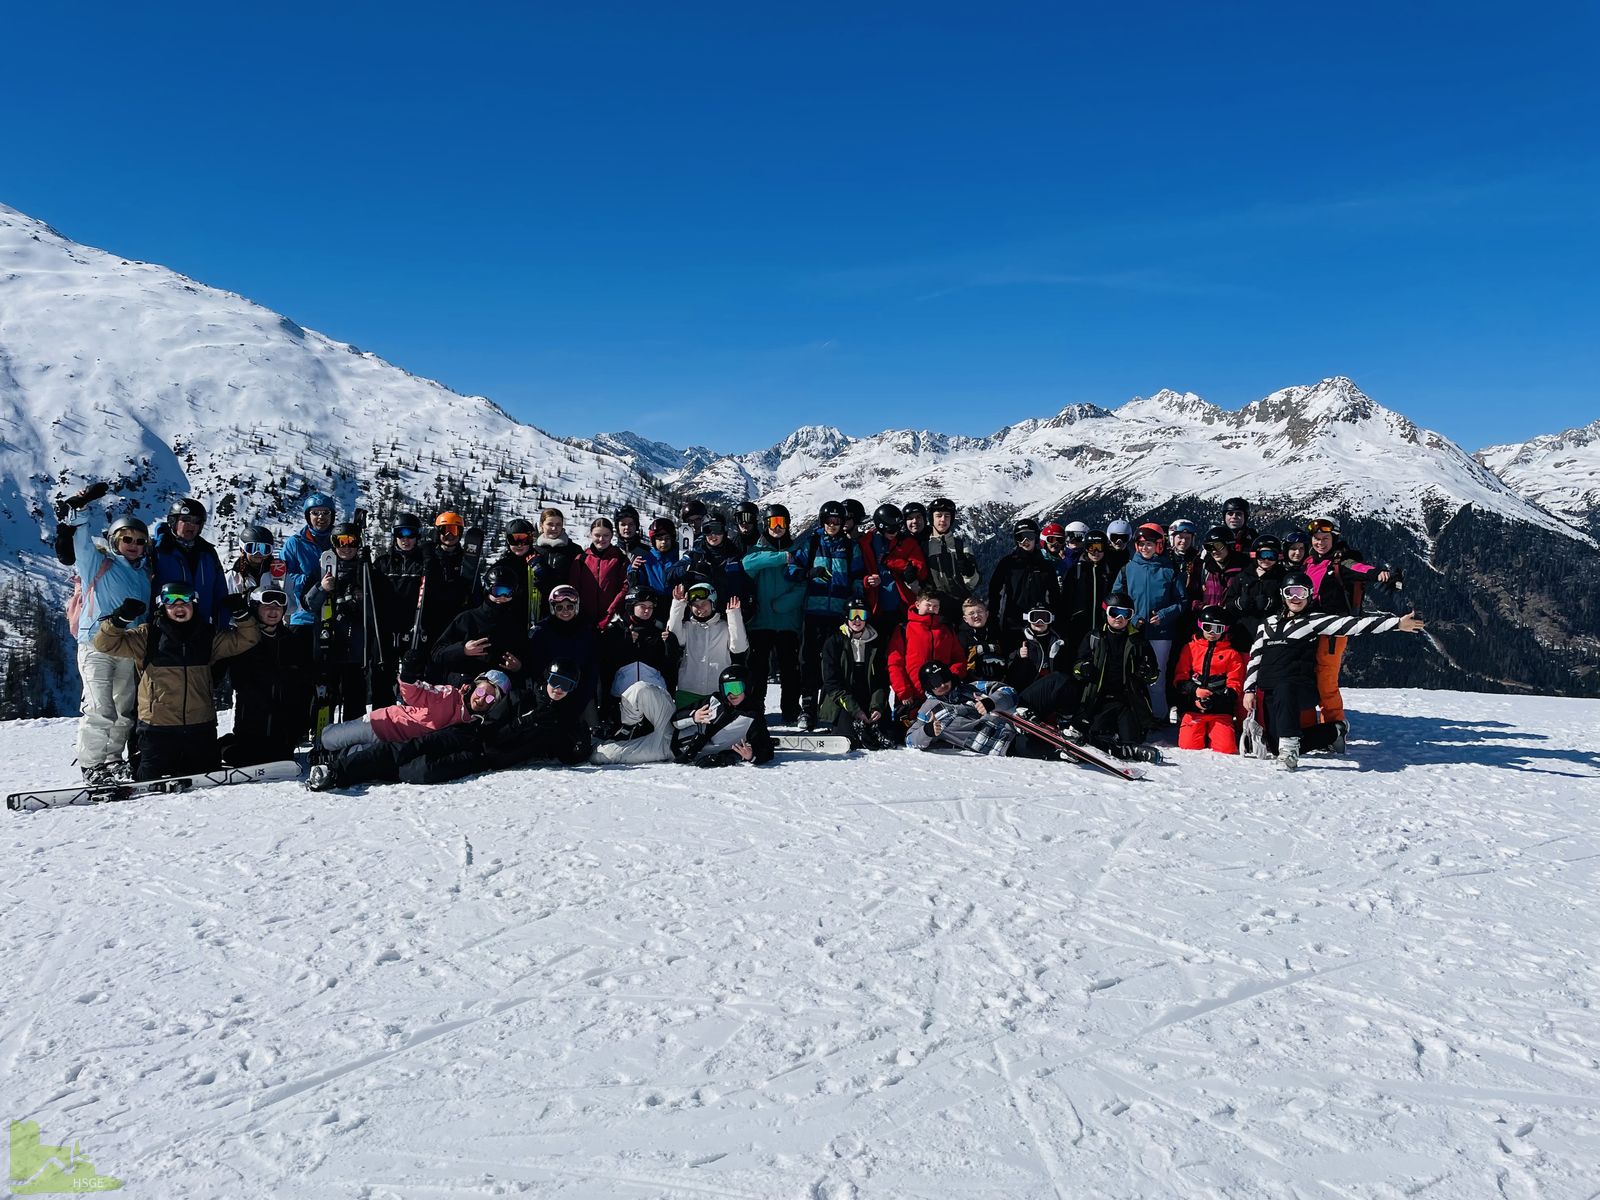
[88, 495]
[413, 665]
[238, 605]
[129, 611]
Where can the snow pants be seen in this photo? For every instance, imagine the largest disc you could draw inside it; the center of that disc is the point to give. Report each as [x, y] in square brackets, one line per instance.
[782, 645]
[1330, 657]
[818, 629]
[167, 750]
[1158, 689]
[1216, 730]
[641, 701]
[110, 704]
[345, 734]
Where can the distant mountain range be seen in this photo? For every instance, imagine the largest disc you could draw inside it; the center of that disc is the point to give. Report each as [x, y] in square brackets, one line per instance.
[123, 370]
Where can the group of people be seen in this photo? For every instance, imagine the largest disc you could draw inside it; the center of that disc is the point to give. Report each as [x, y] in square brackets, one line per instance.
[424, 658]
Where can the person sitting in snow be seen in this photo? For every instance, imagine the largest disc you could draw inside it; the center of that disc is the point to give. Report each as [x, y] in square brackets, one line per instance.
[960, 715]
[723, 731]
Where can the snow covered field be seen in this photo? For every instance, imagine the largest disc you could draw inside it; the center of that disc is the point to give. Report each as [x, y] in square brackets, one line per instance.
[909, 976]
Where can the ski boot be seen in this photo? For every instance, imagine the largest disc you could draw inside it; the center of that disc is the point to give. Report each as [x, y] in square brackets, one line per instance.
[1289, 753]
[1339, 731]
[319, 778]
[1140, 753]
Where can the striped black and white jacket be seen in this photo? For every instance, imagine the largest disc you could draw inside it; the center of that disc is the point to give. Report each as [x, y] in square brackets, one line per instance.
[1281, 635]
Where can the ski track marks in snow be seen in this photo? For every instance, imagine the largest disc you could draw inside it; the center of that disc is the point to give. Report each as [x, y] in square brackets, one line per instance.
[908, 976]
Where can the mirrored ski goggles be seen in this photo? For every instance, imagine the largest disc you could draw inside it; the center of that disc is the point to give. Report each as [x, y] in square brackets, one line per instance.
[733, 687]
[503, 591]
[777, 522]
[346, 539]
[174, 593]
[451, 531]
[561, 683]
[1296, 591]
[518, 539]
[1322, 526]
[855, 613]
[1118, 612]
[405, 532]
[1040, 616]
[1217, 627]
[1267, 555]
[701, 592]
[280, 599]
[1095, 547]
[261, 548]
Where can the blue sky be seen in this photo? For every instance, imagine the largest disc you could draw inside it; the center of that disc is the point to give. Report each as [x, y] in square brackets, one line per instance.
[711, 223]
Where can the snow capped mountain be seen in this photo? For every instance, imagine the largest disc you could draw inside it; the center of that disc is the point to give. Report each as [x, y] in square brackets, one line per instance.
[126, 371]
[1558, 471]
[1327, 446]
[653, 458]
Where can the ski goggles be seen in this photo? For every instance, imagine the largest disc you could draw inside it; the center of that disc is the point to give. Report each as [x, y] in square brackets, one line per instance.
[1148, 539]
[261, 548]
[1219, 544]
[1267, 555]
[449, 531]
[1296, 591]
[274, 597]
[561, 683]
[701, 592]
[518, 539]
[1025, 535]
[1118, 612]
[777, 523]
[733, 687]
[1322, 526]
[1217, 627]
[503, 591]
[1119, 538]
[855, 613]
[405, 531]
[346, 539]
[1040, 616]
[177, 593]
[1095, 547]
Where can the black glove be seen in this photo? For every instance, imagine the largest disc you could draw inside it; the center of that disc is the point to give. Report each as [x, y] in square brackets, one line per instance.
[413, 665]
[88, 495]
[238, 605]
[129, 611]
[63, 510]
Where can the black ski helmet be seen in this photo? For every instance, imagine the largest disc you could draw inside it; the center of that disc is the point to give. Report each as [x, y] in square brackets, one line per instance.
[774, 510]
[691, 509]
[640, 594]
[625, 513]
[1266, 542]
[1237, 504]
[914, 509]
[732, 673]
[943, 505]
[1297, 579]
[831, 511]
[1213, 614]
[519, 525]
[409, 521]
[1027, 526]
[347, 529]
[259, 533]
[886, 519]
[935, 674]
[1118, 600]
[715, 522]
[1219, 533]
[187, 509]
[746, 508]
[854, 510]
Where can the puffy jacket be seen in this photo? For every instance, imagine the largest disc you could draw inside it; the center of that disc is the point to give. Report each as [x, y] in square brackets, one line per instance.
[423, 708]
[175, 664]
[952, 570]
[574, 641]
[708, 646]
[1118, 667]
[854, 679]
[601, 577]
[1022, 581]
[1214, 583]
[552, 563]
[780, 602]
[637, 651]
[502, 624]
[272, 684]
[658, 572]
[1215, 666]
[921, 640]
[197, 565]
[1156, 593]
[831, 569]
[722, 566]
[355, 584]
[901, 569]
[302, 554]
[104, 590]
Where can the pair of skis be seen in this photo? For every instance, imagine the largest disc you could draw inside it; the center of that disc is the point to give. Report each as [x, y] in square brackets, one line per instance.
[107, 792]
[1088, 755]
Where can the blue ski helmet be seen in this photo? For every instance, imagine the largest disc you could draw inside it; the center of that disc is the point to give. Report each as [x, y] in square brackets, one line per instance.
[318, 500]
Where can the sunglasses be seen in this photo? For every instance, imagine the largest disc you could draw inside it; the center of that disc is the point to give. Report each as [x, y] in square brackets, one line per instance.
[561, 683]
[1217, 627]
[346, 539]
[502, 590]
[131, 540]
[405, 533]
[1296, 592]
[733, 687]
[1118, 611]
[170, 595]
[563, 606]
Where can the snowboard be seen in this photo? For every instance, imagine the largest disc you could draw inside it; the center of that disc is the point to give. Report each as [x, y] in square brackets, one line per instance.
[812, 743]
[104, 793]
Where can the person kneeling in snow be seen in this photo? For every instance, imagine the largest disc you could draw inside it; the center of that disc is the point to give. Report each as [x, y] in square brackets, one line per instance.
[1208, 681]
[722, 732]
[1283, 662]
[1116, 668]
[855, 685]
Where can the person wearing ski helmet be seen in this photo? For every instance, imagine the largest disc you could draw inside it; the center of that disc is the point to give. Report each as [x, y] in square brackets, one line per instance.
[175, 650]
[492, 634]
[962, 715]
[1159, 606]
[630, 534]
[777, 615]
[1253, 595]
[828, 562]
[525, 568]
[403, 567]
[1219, 567]
[914, 519]
[1283, 666]
[1241, 534]
[1296, 549]
[1183, 537]
[719, 561]
[896, 572]
[638, 676]
[746, 531]
[180, 555]
[601, 574]
[350, 600]
[1119, 535]
[855, 685]
[1338, 580]
[1042, 651]
[855, 516]
[658, 566]
[1116, 668]
[302, 554]
[255, 562]
[691, 516]
[107, 571]
[1208, 684]
[273, 683]
[708, 639]
[726, 730]
[952, 569]
[566, 636]
[1085, 588]
[1022, 581]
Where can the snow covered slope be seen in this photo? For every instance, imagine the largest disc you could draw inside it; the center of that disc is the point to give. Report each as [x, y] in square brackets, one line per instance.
[1558, 471]
[913, 976]
[113, 369]
[1325, 447]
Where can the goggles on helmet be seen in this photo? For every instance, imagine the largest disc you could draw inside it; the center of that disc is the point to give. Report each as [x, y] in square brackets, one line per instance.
[1296, 591]
[561, 683]
[1120, 611]
[274, 596]
[856, 612]
[346, 539]
[1322, 526]
[502, 591]
[1267, 554]
[733, 687]
[405, 531]
[178, 593]
[1217, 627]
[1042, 616]
[261, 548]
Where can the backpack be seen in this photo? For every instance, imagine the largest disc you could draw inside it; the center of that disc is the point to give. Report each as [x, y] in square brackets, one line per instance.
[80, 598]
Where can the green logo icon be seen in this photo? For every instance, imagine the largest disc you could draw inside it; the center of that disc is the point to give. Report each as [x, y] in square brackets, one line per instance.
[40, 1170]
